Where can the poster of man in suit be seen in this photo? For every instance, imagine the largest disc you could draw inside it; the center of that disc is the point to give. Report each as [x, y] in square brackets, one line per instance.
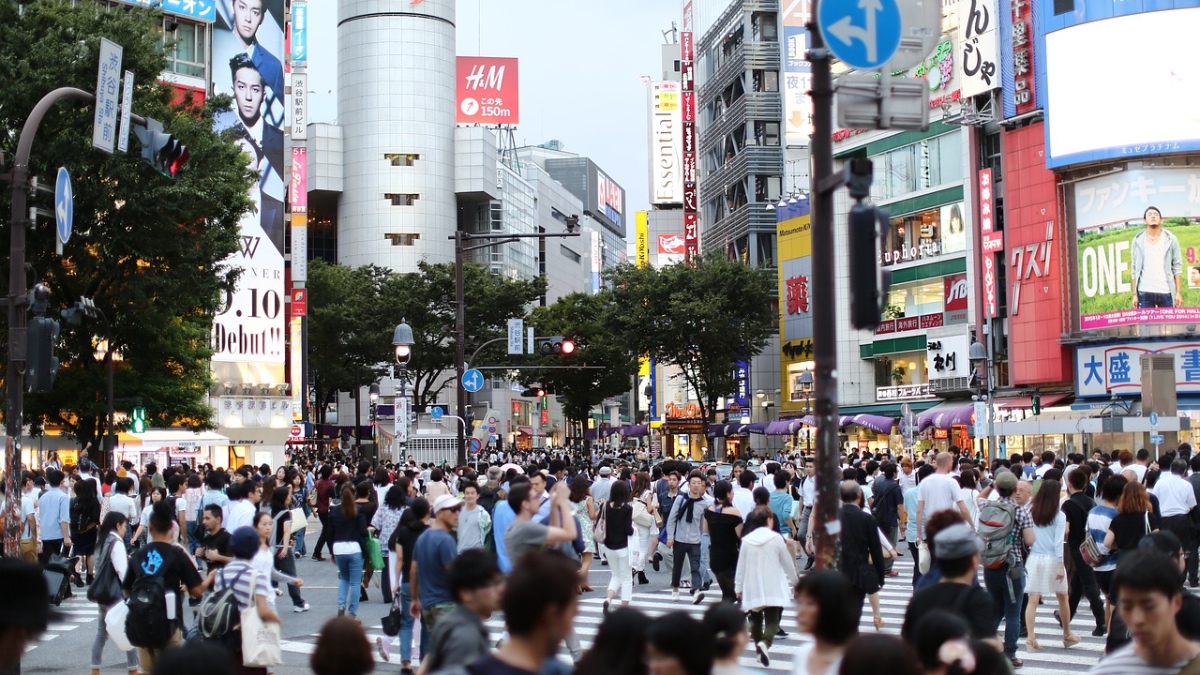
[248, 51]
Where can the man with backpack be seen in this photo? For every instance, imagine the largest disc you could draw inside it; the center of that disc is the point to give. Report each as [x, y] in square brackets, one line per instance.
[156, 574]
[1007, 530]
[958, 549]
[237, 586]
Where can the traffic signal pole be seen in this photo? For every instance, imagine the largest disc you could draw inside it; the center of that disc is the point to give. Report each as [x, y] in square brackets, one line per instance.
[14, 381]
[827, 538]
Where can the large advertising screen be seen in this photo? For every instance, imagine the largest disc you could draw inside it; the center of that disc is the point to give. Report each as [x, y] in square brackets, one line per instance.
[666, 143]
[248, 52]
[1101, 103]
[488, 91]
[1138, 234]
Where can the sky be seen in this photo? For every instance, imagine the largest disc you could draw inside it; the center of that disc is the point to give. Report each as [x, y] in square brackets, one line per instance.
[581, 68]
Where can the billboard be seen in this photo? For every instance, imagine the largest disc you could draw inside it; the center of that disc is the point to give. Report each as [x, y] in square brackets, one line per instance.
[1018, 73]
[200, 10]
[671, 249]
[248, 49]
[794, 236]
[979, 46]
[666, 135]
[1102, 370]
[299, 34]
[797, 73]
[1138, 235]
[606, 199]
[488, 91]
[1090, 110]
[691, 200]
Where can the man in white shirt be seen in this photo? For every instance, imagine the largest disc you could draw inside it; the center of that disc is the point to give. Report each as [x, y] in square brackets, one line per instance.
[1176, 499]
[121, 502]
[1047, 464]
[244, 504]
[939, 492]
[29, 533]
[743, 493]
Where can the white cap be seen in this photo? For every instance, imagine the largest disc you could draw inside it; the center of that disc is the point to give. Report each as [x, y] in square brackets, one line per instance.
[445, 502]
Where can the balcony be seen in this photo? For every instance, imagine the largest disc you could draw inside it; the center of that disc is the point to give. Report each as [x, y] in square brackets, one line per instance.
[756, 160]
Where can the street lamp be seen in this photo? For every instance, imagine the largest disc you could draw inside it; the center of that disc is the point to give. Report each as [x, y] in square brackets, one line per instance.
[978, 354]
[806, 386]
[373, 398]
[402, 341]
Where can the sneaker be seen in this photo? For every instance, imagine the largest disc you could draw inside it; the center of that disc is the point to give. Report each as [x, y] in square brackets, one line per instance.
[674, 595]
[278, 592]
[654, 561]
[764, 654]
[384, 652]
[301, 608]
[707, 585]
[299, 556]
[780, 634]
[697, 598]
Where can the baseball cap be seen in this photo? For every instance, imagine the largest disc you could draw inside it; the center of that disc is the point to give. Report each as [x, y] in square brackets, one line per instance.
[957, 541]
[446, 502]
[1006, 480]
[605, 471]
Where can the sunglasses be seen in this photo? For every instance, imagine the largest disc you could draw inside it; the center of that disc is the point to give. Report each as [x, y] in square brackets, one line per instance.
[453, 509]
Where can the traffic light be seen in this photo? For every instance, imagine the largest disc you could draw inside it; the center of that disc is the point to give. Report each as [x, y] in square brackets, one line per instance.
[1035, 403]
[160, 149]
[138, 422]
[534, 392]
[41, 363]
[868, 281]
[556, 346]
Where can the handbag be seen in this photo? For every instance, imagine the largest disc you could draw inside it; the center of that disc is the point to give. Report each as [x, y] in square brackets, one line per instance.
[391, 622]
[1089, 551]
[312, 499]
[600, 527]
[261, 643]
[106, 587]
[374, 552]
[299, 519]
[114, 624]
[641, 515]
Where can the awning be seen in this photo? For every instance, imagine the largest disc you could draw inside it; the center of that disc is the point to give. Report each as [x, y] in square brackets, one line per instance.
[927, 419]
[961, 415]
[780, 428]
[158, 439]
[528, 431]
[263, 436]
[1048, 401]
[636, 430]
[877, 423]
[758, 427]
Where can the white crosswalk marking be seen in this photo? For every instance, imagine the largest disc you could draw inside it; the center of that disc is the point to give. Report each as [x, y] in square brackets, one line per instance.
[74, 612]
[1053, 659]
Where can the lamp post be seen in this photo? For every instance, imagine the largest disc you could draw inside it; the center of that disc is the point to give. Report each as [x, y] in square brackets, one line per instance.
[373, 398]
[978, 354]
[402, 341]
[806, 386]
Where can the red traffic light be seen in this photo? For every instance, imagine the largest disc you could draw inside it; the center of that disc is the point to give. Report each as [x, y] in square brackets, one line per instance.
[568, 347]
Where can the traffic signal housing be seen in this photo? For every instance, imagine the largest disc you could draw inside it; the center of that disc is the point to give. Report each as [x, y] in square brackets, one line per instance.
[41, 363]
[868, 281]
[160, 149]
[534, 392]
[556, 346]
[1035, 403]
[138, 421]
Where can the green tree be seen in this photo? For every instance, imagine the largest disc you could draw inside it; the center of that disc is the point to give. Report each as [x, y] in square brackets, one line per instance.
[608, 364]
[425, 299]
[703, 319]
[347, 333]
[148, 249]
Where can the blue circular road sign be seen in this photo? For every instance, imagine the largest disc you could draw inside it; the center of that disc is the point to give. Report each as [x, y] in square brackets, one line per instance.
[863, 34]
[472, 380]
[64, 205]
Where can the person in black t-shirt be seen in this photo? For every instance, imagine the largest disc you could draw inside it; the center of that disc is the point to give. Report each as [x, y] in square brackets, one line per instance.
[162, 556]
[958, 592]
[214, 545]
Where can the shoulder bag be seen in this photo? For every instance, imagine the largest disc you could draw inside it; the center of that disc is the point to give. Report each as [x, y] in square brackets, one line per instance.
[600, 527]
[106, 587]
[261, 642]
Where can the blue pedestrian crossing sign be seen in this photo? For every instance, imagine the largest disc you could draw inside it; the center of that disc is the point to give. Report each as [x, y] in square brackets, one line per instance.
[1153, 419]
[1157, 439]
[863, 34]
[472, 380]
[436, 412]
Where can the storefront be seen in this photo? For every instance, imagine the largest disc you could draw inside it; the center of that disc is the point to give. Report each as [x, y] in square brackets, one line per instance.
[167, 447]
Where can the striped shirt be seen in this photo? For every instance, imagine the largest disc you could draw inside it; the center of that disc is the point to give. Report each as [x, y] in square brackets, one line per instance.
[1125, 662]
[239, 575]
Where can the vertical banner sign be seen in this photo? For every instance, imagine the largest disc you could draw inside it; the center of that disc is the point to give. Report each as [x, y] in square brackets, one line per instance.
[299, 302]
[296, 362]
[666, 126]
[642, 241]
[645, 365]
[299, 232]
[248, 336]
[299, 34]
[488, 91]
[126, 113]
[299, 106]
[991, 242]
[797, 73]
[1022, 56]
[299, 195]
[691, 199]
[597, 263]
[977, 37]
[108, 88]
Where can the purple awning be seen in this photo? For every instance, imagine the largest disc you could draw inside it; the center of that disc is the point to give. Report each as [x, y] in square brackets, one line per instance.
[954, 416]
[637, 430]
[877, 423]
[780, 428]
[808, 421]
[845, 421]
[758, 427]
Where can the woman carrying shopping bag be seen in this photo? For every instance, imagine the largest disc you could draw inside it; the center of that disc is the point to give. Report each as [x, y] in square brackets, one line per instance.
[251, 588]
[112, 562]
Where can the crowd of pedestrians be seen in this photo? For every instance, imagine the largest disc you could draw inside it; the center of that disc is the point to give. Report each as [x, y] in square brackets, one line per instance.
[187, 556]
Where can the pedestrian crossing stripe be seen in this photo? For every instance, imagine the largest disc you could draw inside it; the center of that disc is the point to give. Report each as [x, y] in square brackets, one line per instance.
[893, 601]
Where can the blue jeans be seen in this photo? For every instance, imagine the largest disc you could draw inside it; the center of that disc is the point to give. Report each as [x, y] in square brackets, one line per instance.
[1146, 300]
[692, 551]
[705, 576]
[350, 570]
[406, 626]
[301, 547]
[1007, 594]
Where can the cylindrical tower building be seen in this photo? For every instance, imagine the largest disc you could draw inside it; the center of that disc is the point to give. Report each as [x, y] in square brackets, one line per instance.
[396, 98]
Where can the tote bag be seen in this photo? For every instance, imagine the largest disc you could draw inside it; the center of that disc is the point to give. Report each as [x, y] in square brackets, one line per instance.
[261, 646]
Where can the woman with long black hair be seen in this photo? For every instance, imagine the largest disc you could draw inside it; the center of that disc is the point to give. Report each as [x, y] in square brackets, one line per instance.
[85, 522]
[384, 523]
[349, 528]
[111, 536]
[618, 519]
[283, 541]
[723, 522]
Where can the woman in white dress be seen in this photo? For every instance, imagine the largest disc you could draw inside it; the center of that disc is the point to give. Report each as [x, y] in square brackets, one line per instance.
[645, 506]
[1044, 569]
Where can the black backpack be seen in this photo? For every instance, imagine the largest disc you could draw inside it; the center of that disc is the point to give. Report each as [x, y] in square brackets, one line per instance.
[220, 614]
[147, 625]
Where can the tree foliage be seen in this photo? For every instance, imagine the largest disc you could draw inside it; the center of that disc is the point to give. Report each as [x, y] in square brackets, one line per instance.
[583, 318]
[148, 249]
[703, 319]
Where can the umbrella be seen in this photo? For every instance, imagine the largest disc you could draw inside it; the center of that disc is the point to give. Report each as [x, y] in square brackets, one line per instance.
[504, 469]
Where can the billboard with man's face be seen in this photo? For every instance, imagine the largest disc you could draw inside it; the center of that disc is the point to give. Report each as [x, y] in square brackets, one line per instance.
[1138, 234]
[248, 53]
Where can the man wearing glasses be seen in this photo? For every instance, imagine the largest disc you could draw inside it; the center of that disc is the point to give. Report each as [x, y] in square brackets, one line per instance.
[435, 549]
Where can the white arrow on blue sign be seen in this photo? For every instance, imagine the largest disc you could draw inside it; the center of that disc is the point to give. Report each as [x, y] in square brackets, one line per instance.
[436, 412]
[1153, 419]
[1157, 439]
[64, 205]
[472, 380]
[864, 35]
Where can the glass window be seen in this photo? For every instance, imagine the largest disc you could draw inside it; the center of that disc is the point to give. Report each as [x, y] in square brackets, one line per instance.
[764, 249]
[186, 46]
[896, 370]
[401, 199]
[925, 164]
[926, 297]
[925, 234]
